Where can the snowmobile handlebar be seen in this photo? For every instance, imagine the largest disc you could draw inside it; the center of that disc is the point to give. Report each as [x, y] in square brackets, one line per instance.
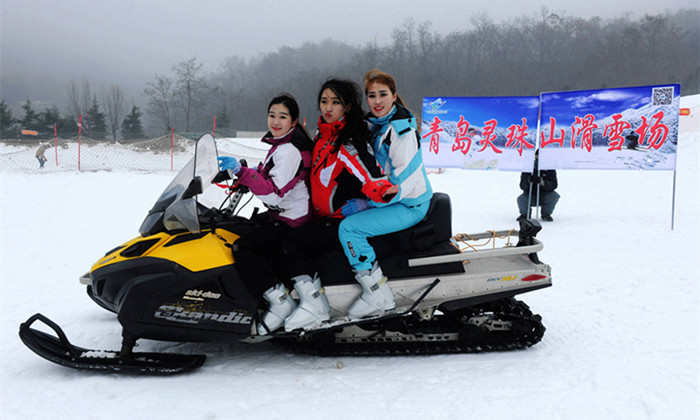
[225, 176]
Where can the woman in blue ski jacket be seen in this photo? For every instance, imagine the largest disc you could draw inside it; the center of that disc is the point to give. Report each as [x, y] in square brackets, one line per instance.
[396, 145]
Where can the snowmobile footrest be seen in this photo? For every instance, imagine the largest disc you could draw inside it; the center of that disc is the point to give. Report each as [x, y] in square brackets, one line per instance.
[59, 350]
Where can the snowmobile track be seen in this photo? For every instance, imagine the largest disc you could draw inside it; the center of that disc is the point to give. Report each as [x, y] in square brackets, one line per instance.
[502, 325]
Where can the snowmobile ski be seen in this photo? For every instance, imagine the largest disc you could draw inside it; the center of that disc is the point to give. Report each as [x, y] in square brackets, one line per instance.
[59, 350]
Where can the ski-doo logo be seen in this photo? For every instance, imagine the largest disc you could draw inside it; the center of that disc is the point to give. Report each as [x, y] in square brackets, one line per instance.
[180, 314]
[435, 107]
[504, 278]
[202, 294]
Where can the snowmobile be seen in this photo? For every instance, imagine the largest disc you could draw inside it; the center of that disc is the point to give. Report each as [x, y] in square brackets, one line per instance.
[178, 281]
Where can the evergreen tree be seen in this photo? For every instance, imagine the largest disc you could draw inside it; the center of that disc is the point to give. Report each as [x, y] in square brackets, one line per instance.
[7, 121]
[30, 121]
[223, 122]
[131, 126]
[94, 122]
[67, 127]
[47, 119]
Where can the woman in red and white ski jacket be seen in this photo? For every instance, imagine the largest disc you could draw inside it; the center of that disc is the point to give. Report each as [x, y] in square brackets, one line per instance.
[342, 169]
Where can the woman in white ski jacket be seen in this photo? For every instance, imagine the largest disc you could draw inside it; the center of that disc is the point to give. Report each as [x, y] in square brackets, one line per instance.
[396, 146]
[281, 183]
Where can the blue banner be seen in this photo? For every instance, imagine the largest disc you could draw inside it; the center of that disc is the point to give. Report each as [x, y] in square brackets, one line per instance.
[480, 132]
[621, 128]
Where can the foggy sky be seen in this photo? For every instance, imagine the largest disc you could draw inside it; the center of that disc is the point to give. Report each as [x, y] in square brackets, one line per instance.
[49, 43]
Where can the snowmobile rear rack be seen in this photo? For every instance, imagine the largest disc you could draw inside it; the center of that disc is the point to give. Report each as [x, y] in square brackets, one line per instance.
[59, 350]
[530, 249]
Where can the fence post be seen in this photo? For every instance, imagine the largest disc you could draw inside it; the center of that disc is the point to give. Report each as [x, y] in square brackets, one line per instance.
[55, 142]
[80, 131]
[172, 146]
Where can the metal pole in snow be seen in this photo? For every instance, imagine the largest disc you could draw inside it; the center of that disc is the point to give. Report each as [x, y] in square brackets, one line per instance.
[172, 145]
[213, 130]
[673, 200]
[80, 131]
[55, 142]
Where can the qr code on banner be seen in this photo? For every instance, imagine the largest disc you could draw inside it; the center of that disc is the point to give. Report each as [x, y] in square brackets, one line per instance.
[662, 96]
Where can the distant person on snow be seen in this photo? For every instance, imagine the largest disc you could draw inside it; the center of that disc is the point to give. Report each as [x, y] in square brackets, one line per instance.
[632, 140]
[40, 154]
[538, 190]
[281, 183]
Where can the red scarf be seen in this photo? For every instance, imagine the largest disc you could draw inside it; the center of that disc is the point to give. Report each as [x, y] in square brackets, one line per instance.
[329, 130]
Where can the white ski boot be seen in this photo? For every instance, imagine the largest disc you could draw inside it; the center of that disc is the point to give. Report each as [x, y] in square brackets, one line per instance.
[313, 306]
[376, 297]
[281, 305]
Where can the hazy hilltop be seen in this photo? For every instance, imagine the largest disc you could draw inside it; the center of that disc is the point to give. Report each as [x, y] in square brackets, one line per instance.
[537, 52]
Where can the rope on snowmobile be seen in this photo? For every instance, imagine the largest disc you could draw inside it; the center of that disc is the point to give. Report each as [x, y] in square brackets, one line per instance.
[464, 237]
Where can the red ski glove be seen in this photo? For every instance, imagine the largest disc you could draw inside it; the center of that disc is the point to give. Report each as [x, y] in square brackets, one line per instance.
[375, 190]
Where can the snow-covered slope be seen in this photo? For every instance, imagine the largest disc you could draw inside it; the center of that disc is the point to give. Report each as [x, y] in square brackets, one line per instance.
[622, 317]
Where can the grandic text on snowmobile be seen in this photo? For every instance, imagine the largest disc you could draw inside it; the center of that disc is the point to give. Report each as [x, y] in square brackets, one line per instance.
[178, 282]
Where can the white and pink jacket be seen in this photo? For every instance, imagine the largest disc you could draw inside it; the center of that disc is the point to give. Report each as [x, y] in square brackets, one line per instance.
[281, 180]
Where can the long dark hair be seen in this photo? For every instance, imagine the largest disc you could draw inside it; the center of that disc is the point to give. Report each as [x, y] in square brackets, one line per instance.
[288, 101]
[350, 96]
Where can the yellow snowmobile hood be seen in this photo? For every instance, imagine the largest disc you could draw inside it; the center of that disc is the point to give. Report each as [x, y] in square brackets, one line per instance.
[195, 252]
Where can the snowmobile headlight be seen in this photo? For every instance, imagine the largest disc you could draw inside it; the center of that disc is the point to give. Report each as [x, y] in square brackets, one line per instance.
[86, 279]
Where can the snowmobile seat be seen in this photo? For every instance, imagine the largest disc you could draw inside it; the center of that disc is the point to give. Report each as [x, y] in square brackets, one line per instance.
[429, 237]
[435, 227]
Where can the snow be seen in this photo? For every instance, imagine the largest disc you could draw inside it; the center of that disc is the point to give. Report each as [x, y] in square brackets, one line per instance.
[622, 316]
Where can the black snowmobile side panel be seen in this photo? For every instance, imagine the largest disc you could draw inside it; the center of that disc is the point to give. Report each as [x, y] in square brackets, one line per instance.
[59, 350]
[158, 299]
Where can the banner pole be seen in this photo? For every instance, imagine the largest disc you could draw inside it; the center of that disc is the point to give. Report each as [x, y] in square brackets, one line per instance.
[536, 166]
[673, 200]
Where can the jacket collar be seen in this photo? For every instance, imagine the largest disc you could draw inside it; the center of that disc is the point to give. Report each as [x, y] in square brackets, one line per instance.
[274, 141]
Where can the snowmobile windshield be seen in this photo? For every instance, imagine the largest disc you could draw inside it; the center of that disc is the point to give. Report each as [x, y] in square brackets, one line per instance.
[176, 208]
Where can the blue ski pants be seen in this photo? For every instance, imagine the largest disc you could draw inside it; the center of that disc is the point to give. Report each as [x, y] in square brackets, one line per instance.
[355, 229]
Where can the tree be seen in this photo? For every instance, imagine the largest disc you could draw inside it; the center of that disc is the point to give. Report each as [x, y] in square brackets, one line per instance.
[67, 127]
[79, 98]
[48, 118]
[7, 121]
[113, 104]
[94, 122]
[30, 120]
[131, 126]
[160, 98]
[223, 122]
[190, 89]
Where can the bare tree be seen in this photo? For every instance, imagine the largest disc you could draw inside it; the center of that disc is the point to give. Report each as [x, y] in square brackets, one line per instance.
[79, 98]
[114, 108]
[160, 97]
[190, 89]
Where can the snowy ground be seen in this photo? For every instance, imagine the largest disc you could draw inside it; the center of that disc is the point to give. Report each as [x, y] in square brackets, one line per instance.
[622, 317]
